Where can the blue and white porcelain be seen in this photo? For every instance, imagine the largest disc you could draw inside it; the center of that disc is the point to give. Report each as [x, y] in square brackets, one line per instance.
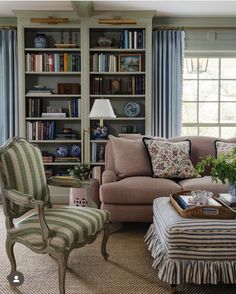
[100, 132]
[232, 190]
[62, 151]
[132, 109]
[40, 41]
[75, 150]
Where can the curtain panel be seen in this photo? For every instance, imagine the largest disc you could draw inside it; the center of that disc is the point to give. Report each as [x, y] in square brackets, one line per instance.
[168, 54]
[8, 85]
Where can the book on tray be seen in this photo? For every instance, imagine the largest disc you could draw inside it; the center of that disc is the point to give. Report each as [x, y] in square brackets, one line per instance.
[185, 202]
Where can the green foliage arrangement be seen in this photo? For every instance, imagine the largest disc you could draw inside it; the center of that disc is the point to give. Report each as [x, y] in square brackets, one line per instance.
[80, 171]
[223, 167]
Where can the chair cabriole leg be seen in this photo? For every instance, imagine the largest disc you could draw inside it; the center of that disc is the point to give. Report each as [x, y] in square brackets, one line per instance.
[10, 253]
[106, 233]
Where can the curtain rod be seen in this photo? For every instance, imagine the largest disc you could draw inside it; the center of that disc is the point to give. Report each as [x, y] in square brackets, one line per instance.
[8, 27]
[161, 27]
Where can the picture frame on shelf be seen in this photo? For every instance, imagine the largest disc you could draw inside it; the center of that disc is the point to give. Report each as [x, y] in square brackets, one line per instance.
[130, 62]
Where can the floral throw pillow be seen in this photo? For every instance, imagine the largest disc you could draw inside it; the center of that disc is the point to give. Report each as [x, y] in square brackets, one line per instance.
[224, 147]
[170, 160]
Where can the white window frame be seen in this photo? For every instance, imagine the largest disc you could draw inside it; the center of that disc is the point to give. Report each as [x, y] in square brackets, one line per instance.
[209, 54]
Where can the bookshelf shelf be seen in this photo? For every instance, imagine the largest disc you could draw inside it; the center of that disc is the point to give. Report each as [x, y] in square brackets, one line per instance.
[97, 163]
[55, 141]
[54, 96]
[60, 163]
[121, 118]
[117, 73]
[44, 118]
[52, 49]
[53, 73]
[115, 50]
[117, 96]
[98, 141]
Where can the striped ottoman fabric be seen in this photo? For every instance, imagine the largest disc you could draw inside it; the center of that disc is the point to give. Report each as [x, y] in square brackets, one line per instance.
[191, 250]
[69, 226]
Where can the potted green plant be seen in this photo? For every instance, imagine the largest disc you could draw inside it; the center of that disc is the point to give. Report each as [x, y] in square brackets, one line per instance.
[81, 171]
[222, 168]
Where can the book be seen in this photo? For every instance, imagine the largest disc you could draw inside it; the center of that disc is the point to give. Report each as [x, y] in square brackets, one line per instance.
[97, 173]
[185, 202]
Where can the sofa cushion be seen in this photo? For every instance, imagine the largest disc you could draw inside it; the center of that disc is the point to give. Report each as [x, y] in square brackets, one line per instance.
[223, 147]
[204, 183]
[137, 190]
[130, 157]
[170, 160]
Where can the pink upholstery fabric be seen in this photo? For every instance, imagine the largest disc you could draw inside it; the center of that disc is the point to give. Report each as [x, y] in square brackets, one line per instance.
[129, 213]
[108, 176]
[204, 183]
[130, 157]
[137, 190]
[95, 191]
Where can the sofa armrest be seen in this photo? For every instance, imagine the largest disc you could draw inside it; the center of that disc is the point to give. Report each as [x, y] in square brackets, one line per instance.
[108, 176]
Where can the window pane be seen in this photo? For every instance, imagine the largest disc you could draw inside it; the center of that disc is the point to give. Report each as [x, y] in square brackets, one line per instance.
[228, 132]
[190, 91]
[208, 112]
[209, 131]
[189, 113]
[189, 131]
[228, 68]
[208, 90]
[228, 90]
[190, 68]
[208, 68]
[228, 113]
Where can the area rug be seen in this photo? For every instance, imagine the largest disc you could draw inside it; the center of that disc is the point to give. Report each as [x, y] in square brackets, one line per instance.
[128, 270]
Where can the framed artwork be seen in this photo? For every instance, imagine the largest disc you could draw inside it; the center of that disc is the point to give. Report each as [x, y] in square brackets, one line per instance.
[129, 62]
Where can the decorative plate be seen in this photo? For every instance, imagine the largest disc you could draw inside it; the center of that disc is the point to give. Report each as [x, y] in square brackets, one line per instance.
[132, 109]
[75, 150]
[62, 151]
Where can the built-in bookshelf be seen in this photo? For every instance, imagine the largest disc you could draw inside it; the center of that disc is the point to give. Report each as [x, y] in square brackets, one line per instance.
[88, 71]
[52, 96]
[118, 72]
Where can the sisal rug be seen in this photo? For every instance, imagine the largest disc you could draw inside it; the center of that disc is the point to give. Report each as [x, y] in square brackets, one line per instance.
[129, 269]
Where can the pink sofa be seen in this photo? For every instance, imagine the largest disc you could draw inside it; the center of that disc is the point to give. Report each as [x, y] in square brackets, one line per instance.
[129, 199]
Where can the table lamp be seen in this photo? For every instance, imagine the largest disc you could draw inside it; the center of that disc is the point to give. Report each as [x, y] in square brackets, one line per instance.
[102, 109]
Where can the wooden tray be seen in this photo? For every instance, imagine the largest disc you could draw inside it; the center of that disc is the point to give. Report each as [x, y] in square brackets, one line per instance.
[203, 211]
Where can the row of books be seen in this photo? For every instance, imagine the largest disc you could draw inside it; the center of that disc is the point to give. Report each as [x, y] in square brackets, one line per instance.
[104, 62]
[35, 109]
[52, 62]
[134, 85]
[41, 130]
[132, 39]
[98, 152]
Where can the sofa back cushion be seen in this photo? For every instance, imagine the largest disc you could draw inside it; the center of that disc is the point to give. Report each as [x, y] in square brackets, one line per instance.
[130, 157]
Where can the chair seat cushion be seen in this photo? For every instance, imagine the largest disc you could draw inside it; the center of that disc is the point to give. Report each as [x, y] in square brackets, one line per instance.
[69, 225]
[137, 190]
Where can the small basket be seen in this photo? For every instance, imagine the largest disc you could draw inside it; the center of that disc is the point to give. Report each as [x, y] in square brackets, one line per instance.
[203, 211]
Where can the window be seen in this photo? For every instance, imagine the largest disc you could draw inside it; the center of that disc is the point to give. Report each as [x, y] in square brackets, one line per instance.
[209, 97]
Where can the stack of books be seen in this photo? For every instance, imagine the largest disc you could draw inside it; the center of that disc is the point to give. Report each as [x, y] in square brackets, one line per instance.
[53, 115]
[74, 107]
[41, 130]
[66, 136]
[34, 107]
[228, 199]
[47, 159]
[39, 91]
[185, 202]
[66, 159]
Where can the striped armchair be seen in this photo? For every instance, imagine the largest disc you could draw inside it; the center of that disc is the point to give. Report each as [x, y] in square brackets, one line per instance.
[55, 231]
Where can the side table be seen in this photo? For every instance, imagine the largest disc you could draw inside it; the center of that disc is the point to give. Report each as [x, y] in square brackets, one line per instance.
[86, 195]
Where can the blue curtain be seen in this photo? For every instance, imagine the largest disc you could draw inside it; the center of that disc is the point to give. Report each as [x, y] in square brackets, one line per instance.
[8, 85]
[168, 51]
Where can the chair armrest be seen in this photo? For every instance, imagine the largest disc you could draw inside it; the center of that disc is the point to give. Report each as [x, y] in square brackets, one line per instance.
[108, 176]
[19, 198]
[66, 182]
[27, 200]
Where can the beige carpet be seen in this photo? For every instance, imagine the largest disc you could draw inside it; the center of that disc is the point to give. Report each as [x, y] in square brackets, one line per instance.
[128, 270]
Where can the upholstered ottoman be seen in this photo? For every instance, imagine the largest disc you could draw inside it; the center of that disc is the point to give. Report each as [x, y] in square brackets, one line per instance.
[188, 250]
